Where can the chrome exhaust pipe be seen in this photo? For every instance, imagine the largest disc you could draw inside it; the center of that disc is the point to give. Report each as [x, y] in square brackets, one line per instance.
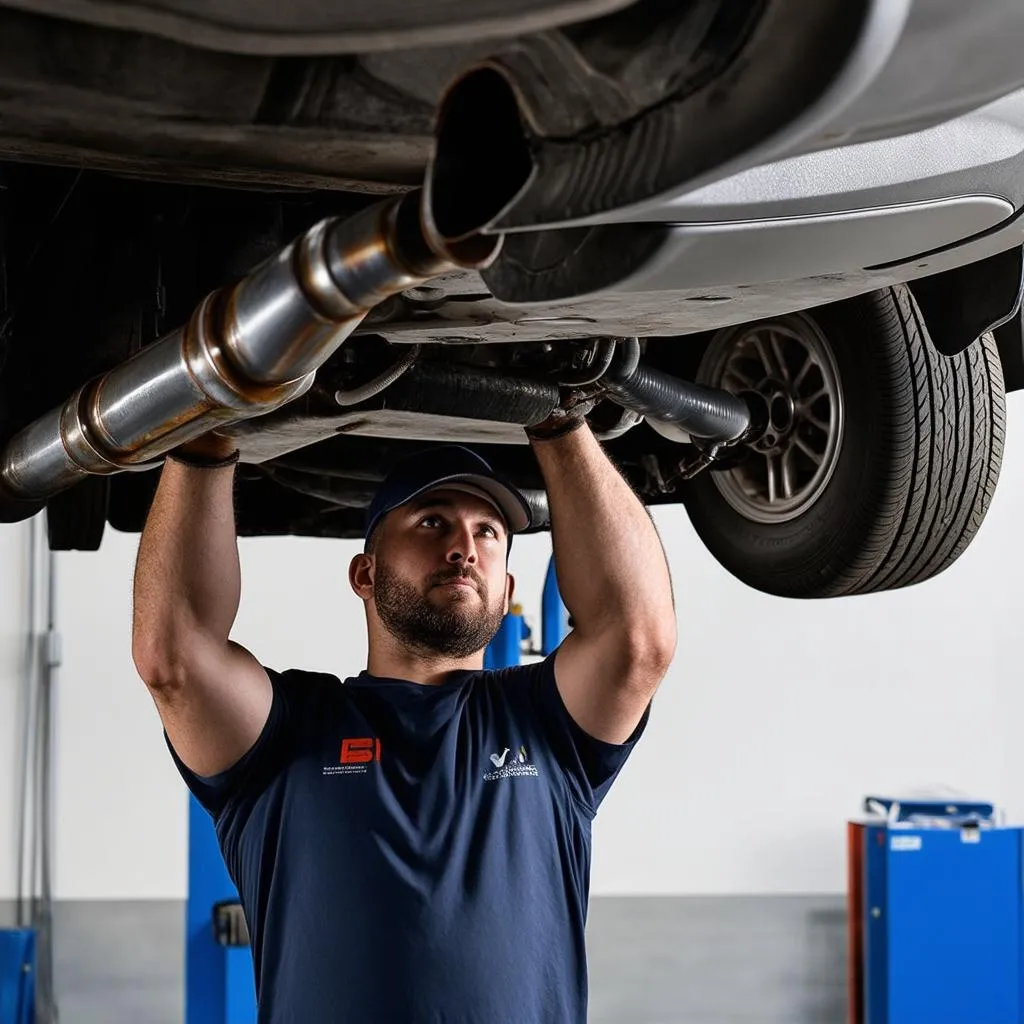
[248, 349]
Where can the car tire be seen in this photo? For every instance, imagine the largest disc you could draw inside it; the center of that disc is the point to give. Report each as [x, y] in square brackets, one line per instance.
[908, 444]
[76, 518]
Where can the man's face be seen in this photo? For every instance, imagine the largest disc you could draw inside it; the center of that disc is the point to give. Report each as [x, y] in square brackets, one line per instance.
[440, 583]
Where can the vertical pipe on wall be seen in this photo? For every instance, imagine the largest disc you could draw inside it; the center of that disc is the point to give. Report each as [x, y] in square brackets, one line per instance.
[47, 1008]
[28, 707]
[35, 798]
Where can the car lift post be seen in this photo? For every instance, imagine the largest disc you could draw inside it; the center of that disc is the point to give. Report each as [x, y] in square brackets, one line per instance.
[505, 649]
[554, 617]
[219, 986]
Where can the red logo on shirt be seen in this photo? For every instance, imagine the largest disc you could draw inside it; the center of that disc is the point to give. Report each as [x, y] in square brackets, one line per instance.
[360, 751]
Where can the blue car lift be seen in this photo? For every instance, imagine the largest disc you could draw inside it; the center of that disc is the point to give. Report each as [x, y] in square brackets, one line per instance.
[219, 984]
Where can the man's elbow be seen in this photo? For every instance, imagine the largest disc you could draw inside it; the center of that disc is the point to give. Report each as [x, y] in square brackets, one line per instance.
[650, 648]
[159, 660]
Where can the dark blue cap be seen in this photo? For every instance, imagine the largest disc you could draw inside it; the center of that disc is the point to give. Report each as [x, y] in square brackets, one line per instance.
[449, 465]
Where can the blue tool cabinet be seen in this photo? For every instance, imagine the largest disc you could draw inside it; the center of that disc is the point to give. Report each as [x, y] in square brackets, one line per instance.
[17, 975]
[936, 925]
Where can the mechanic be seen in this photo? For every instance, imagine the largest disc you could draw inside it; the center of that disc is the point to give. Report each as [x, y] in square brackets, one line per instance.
[412, 845]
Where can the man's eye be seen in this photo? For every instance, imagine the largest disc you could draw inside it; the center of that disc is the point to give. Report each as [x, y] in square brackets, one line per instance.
[430, 521]
[488, 529]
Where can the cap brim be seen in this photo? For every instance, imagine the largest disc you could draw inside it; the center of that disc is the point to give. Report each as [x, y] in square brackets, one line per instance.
[508, 501]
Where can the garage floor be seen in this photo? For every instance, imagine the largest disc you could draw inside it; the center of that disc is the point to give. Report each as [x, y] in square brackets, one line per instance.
[119, 962]
[688, 960]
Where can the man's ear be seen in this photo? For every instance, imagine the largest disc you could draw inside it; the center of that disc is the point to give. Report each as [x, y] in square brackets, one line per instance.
[510, 587]
[360, 575]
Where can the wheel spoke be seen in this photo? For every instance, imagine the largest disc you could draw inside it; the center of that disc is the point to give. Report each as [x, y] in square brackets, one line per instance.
[814, 456]
[742, 378]
[809, 363]
[788, 483]
[811, 399]
[780, 358]
[767, 361]
[772, 481]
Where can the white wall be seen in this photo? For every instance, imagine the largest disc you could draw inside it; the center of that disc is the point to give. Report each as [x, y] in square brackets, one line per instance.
[774, 721]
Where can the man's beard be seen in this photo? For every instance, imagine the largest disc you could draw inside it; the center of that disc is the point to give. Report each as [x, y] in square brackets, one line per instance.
[455, 629]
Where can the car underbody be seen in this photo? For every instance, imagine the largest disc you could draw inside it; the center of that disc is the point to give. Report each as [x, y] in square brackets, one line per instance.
[651, 182]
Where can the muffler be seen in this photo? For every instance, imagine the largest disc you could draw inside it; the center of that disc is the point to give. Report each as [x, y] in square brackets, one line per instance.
[248, 349]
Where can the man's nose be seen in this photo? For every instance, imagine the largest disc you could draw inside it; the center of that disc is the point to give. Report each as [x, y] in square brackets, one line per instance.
[462, 547]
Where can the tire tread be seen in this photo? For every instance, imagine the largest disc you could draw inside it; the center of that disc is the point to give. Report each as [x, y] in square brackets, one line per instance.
[921, 464]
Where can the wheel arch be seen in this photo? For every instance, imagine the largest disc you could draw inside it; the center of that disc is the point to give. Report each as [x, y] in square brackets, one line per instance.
[962, 304]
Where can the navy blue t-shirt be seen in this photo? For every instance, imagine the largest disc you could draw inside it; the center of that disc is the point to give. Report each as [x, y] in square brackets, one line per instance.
[412, 854]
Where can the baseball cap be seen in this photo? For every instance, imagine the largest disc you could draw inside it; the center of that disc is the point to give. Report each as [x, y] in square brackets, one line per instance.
[452, 466]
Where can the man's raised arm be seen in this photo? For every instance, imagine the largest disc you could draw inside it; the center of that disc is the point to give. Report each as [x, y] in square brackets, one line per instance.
[213, 696]
[614, 580]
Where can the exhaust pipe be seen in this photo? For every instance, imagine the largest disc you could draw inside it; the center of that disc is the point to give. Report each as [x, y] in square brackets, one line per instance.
[248, 349]
[679, 409]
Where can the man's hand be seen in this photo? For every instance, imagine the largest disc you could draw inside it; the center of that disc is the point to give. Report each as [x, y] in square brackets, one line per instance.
[568, 416]
[614, 580]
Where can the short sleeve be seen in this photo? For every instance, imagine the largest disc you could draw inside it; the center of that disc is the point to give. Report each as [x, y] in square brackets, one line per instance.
[590, 765]
[258, 766]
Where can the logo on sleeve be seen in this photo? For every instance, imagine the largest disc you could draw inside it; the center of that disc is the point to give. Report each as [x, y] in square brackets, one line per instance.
[508, 765]
[355, 757]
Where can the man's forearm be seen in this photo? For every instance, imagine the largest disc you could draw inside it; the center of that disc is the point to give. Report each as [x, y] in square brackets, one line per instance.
[187, 577]
[612, 571]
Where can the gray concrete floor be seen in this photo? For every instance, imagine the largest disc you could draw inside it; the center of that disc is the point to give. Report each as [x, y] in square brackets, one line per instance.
[671, 960]
[717, 960]
[120, 963]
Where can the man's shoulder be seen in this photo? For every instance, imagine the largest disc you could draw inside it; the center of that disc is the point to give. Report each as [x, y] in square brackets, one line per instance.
[534, 669]
[516, 681]
[300, 684]
[304, 676]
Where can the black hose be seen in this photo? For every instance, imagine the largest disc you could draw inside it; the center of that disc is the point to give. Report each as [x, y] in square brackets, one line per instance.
[706, 414]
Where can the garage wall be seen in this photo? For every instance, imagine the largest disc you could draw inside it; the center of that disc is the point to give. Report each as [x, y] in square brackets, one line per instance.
[774, 721]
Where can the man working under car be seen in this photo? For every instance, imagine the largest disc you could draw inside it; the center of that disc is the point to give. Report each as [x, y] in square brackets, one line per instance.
[413, 845]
